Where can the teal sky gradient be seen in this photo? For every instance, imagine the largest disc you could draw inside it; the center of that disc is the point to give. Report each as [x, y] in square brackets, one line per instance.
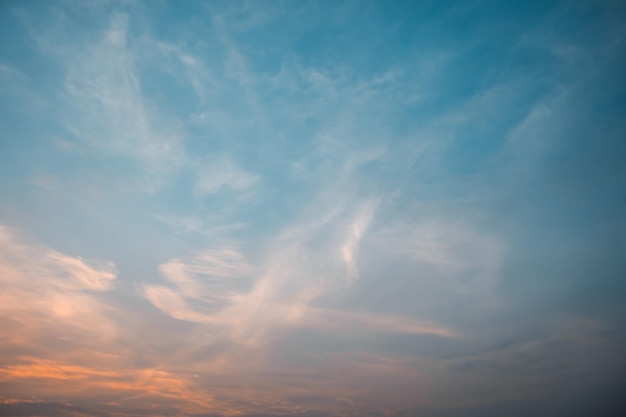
[312, 208]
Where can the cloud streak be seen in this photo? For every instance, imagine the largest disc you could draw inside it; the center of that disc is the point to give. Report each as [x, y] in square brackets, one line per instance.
[306, 209]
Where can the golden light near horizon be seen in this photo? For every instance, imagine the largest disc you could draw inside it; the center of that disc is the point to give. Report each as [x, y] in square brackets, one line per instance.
[311, 209]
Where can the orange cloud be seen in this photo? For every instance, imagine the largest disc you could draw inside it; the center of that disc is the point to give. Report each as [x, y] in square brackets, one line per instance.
[54, 380]
[65, 342]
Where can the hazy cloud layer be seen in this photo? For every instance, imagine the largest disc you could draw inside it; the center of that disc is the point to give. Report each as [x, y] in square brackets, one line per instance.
[306, 209]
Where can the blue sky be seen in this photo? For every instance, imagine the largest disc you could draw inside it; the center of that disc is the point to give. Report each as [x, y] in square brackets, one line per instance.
[312, 208]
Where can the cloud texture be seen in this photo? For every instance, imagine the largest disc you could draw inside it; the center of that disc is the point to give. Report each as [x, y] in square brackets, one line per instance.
[312, 209]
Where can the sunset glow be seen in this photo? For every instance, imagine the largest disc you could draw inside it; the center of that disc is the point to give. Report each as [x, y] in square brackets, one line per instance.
[312, 208]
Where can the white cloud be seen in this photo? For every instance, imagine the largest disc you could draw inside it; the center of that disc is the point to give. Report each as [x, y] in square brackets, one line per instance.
[104, 106]
[461, 258]
[210, 277]
[172, 303]
[356, 232]
[222, 173]
[310, 259]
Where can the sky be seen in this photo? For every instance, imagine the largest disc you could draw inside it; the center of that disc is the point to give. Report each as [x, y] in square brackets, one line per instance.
[312, 208]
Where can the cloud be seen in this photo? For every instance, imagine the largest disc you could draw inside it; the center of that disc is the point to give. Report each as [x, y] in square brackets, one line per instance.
[104, 110]
[278, 289]
[130, 387]
[365, 210]
[338, 321]
[463, 259]
[357, 230]
[43, 408]
[46, 291]
[64, 340]
[221, 173]
[36, 267]
[10, 73]
[247, 308]
[211, 277]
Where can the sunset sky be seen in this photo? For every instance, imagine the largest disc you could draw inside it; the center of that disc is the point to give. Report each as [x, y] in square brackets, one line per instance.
[312, 208]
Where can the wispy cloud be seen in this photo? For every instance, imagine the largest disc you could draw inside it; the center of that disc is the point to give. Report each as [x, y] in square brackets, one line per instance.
[221, 173]
[128, 387]
[105, 109]
[48, 295]
[464, 259]
[310, 209]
